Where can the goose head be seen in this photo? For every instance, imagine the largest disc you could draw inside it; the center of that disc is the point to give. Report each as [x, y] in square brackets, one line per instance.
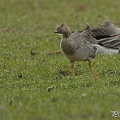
[107, 23]
[63, 29]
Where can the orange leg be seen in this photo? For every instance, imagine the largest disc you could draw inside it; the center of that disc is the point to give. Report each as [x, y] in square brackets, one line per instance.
[90, 66]
[72, 68]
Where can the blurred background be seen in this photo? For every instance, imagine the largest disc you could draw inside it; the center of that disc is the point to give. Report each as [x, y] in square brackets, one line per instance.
[41, 15]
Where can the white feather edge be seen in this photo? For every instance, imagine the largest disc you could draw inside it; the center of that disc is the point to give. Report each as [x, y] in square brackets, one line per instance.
[105, 50]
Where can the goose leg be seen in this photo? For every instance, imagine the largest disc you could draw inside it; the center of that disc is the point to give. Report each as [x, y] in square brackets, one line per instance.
[90, 66]
[96, 75]
[72, 68]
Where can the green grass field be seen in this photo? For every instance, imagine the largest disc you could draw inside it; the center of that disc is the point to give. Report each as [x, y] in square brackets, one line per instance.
[28, 25]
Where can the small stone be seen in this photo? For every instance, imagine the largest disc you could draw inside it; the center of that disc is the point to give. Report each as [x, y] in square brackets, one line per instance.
[50, 88]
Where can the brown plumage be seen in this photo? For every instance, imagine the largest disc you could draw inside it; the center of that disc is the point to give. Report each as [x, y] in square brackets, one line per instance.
[105, 29]
[107, 36]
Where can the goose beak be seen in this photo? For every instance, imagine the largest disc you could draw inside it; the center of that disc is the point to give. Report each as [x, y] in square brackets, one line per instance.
[58, 30]
[55, 31]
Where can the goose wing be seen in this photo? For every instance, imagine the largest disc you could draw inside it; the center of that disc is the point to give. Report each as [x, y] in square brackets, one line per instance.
[110, 42]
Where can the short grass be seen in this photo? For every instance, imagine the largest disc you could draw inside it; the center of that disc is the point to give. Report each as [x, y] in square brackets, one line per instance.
[28, 25]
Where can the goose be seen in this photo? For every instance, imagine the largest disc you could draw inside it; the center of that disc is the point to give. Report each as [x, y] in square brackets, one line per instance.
[109, 45]
[109, 40]
[107, 36]
[76, 46]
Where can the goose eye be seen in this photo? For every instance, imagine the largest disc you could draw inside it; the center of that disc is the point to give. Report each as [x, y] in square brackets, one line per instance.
[62, 25]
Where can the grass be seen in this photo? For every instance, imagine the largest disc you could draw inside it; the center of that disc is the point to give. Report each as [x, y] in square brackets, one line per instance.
[27, 26]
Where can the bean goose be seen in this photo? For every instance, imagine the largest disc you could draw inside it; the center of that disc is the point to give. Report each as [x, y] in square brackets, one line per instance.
[107, 37]
[76, 46]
